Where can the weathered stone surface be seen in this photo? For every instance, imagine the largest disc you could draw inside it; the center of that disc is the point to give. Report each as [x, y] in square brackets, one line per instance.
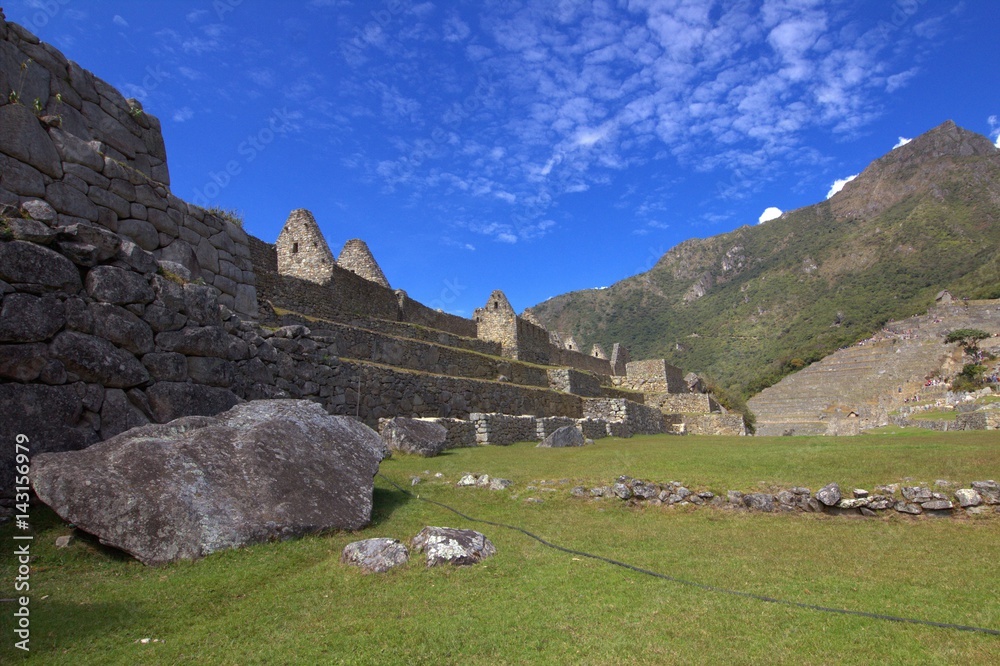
[917, 494]
[171, 400]
[121, 327]
[196, 341]
[564, 436]
[937, 505]
[141, 232]
[201, 304]
[988, 490]
[466, 481]
[405, 435]
[26, 318]
[87, 244]
[829, 494]
[906, 507]
[270, 469]
[28, 263]
[375, 555]
[118, 414]
[22, 363]
[854, 503]
[110, 284]
[96, 360]
[967, 497]
[210, 370]
[48, 415]
[39, 210]
[447, 545]
[166, 366]
[22, 137]
[32, 231]
[759, 502]
[70, 201]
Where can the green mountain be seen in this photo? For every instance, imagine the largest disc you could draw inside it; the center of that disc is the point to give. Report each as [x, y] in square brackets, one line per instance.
[747, 307]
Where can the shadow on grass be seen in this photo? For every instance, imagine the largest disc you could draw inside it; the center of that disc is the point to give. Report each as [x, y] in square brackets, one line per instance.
[384, 502]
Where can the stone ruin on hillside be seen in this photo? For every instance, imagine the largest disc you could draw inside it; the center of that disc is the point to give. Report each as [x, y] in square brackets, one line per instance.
[122, 305]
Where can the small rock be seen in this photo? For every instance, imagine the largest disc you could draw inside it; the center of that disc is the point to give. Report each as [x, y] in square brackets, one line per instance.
[734, 497]
[865, 511]
[64, 541]
[906, 507]
[483, 481]
[499, 484]
[563, 437]
[578, 491]
[917, 494]
[988, 490]
[860, 492]
[622, 491]
[375, 555]
[829, 494]
[855, 503]
[467, 480]
[967, 497]
[759, 502]
[447, 545]
[937, 505]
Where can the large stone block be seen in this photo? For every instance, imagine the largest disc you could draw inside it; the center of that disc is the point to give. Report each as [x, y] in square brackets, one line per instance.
[110, 284]
[28, 263]
[121, 327]
[271, 469]
[26, 318]
[96, 360]
[23, 138]
[171, 400]
[197, 341]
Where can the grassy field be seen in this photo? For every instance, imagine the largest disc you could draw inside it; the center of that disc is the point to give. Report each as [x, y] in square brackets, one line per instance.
[293, 602]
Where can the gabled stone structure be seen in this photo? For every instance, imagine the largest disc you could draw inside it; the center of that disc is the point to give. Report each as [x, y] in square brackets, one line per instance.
[302, 249]
[357, 258]
[597, 351]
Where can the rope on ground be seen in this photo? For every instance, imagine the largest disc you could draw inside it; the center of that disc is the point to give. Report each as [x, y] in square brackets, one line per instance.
[689, 583]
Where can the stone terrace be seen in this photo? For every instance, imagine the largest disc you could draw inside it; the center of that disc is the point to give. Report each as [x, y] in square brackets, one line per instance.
[870, 380]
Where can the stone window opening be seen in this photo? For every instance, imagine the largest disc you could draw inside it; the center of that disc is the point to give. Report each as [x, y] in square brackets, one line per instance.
[295, 248]
[496, 305]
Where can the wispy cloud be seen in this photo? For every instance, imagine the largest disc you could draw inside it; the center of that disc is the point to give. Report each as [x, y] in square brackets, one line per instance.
[838, 184]
[901, 142]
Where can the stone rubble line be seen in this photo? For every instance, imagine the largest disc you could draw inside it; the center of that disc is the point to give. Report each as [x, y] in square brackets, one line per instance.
[912, 500]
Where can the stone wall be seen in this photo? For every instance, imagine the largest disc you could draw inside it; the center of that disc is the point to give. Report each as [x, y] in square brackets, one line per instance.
[292, 362]
[640, 419]
[573, 381]
[653, 376]
[705, 424]
[575, 359]
[99, 162]
[683, 403]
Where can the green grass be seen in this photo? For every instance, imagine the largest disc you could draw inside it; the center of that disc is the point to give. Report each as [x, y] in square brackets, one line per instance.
[293, 602]
[936, 415]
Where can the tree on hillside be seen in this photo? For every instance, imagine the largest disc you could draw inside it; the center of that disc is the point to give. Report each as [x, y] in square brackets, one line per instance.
[967, 338]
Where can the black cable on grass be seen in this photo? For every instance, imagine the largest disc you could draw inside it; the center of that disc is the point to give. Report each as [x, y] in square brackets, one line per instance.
[702, 586]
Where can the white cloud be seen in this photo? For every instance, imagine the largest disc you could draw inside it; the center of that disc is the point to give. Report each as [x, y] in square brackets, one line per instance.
[182, 114]
[770, 213]
[838, 185]
[902, 142]
[119, 21]
[994, 129]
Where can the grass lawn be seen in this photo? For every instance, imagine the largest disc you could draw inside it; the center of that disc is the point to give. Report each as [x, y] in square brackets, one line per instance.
[293, 602]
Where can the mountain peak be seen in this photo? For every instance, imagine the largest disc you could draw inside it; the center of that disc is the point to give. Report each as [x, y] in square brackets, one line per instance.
[909, 168]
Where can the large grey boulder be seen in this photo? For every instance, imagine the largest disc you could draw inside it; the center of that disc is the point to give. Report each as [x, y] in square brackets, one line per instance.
[375, 555]
[424, 438]
[564, 436]
[264, 470]
[448, 545]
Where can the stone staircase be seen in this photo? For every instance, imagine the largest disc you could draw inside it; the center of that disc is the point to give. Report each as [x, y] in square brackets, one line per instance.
[869, 380]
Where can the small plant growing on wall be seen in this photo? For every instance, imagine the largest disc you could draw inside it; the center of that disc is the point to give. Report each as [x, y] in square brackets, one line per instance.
[228, 214]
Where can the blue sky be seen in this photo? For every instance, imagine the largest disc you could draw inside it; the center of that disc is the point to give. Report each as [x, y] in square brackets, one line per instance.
[537, 147]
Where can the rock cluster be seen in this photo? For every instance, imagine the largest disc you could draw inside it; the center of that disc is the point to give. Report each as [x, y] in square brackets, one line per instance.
[441, 545]
[483, 481]
[912, 500]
